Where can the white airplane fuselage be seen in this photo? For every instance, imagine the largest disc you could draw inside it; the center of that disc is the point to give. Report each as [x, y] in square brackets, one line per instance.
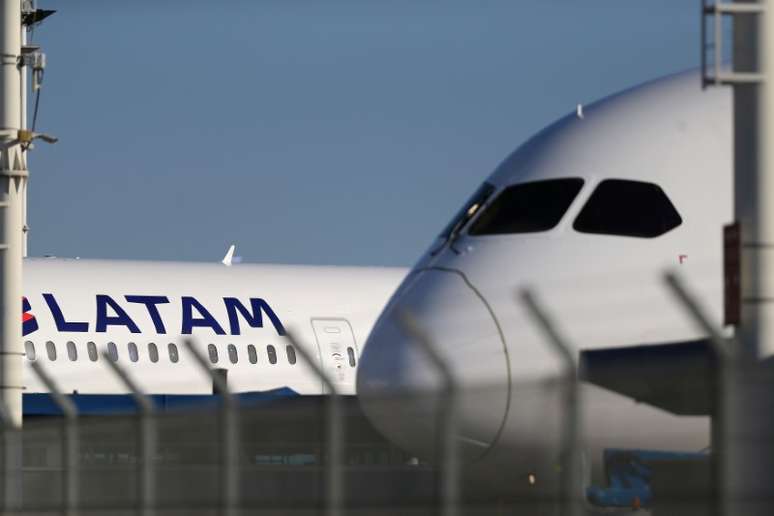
[601, 280]
[93, 305]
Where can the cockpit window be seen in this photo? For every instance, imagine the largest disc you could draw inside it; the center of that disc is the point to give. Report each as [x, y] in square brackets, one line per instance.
[628, 208]
[528, 207]
[469, 209]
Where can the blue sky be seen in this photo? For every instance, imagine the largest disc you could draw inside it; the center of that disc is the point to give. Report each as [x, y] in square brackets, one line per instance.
[320, 132]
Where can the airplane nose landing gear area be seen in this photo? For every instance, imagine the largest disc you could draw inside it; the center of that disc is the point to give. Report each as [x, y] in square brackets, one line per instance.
[401, 389]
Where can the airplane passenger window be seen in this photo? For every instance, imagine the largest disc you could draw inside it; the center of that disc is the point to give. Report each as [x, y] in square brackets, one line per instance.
[174, 356]
[351, 355]
[112, 351]
[51, 350]
[153, 352]
[91, 350]
[272, 354]
[72, 352]
[29, 349]
[232, 354]
[134, 354]
[252, 355]
[291, 352]
[528, 207]
[628, 208]
[213, 352]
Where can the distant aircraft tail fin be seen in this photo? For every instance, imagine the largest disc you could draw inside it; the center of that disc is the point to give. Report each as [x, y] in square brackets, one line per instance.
[229, 258]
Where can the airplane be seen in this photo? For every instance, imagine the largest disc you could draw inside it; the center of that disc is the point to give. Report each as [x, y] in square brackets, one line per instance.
[139, 312]
[588, 214]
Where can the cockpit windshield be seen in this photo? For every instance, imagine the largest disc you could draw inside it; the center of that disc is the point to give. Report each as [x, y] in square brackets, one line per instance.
[628, 208]
[528, 207]
[469, 209]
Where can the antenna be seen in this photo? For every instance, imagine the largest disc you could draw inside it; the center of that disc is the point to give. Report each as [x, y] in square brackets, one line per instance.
[34, 59]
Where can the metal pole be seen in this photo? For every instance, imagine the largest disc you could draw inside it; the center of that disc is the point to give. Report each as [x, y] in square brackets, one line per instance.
[23, 125]
[13, 169]
[334, 478]
[7, 426]
[723, 384]
[69, 440]
[11, 457]
[720, 344]
[703, 53]
[447, 424]
[230, 442]
[750, 458]
[147, 439]
[571, 446]
[754, 181]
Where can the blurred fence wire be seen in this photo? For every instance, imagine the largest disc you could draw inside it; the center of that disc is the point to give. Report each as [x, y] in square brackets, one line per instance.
[321, 455]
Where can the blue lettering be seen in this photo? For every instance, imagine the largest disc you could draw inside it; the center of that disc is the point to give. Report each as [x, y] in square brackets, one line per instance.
[254, 319]
[205, 321]
[194, 315]
[150, 303]
[120, 319]
[59, 320]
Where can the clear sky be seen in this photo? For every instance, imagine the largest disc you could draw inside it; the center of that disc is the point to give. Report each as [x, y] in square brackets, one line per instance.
[305, 131]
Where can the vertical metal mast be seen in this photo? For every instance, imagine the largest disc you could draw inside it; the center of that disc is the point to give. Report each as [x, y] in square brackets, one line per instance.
[23, 125]
[13, 170]
[749, 426]
[750, 434]
[750, 490]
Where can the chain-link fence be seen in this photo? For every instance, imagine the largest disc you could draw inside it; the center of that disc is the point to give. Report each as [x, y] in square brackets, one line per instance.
[570, 444]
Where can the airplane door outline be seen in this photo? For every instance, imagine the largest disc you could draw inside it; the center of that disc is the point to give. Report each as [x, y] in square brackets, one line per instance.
[334, 336]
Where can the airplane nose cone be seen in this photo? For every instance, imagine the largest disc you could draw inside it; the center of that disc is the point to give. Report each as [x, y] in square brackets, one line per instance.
[400, 388]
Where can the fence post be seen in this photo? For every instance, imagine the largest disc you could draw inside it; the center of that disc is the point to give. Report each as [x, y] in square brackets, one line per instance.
[571, 483]
[230, 444]
[69, 440]
[334, 483]
[719, 343]
[12, 462]
[447, 424]
[147, 440]
[723, 382]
